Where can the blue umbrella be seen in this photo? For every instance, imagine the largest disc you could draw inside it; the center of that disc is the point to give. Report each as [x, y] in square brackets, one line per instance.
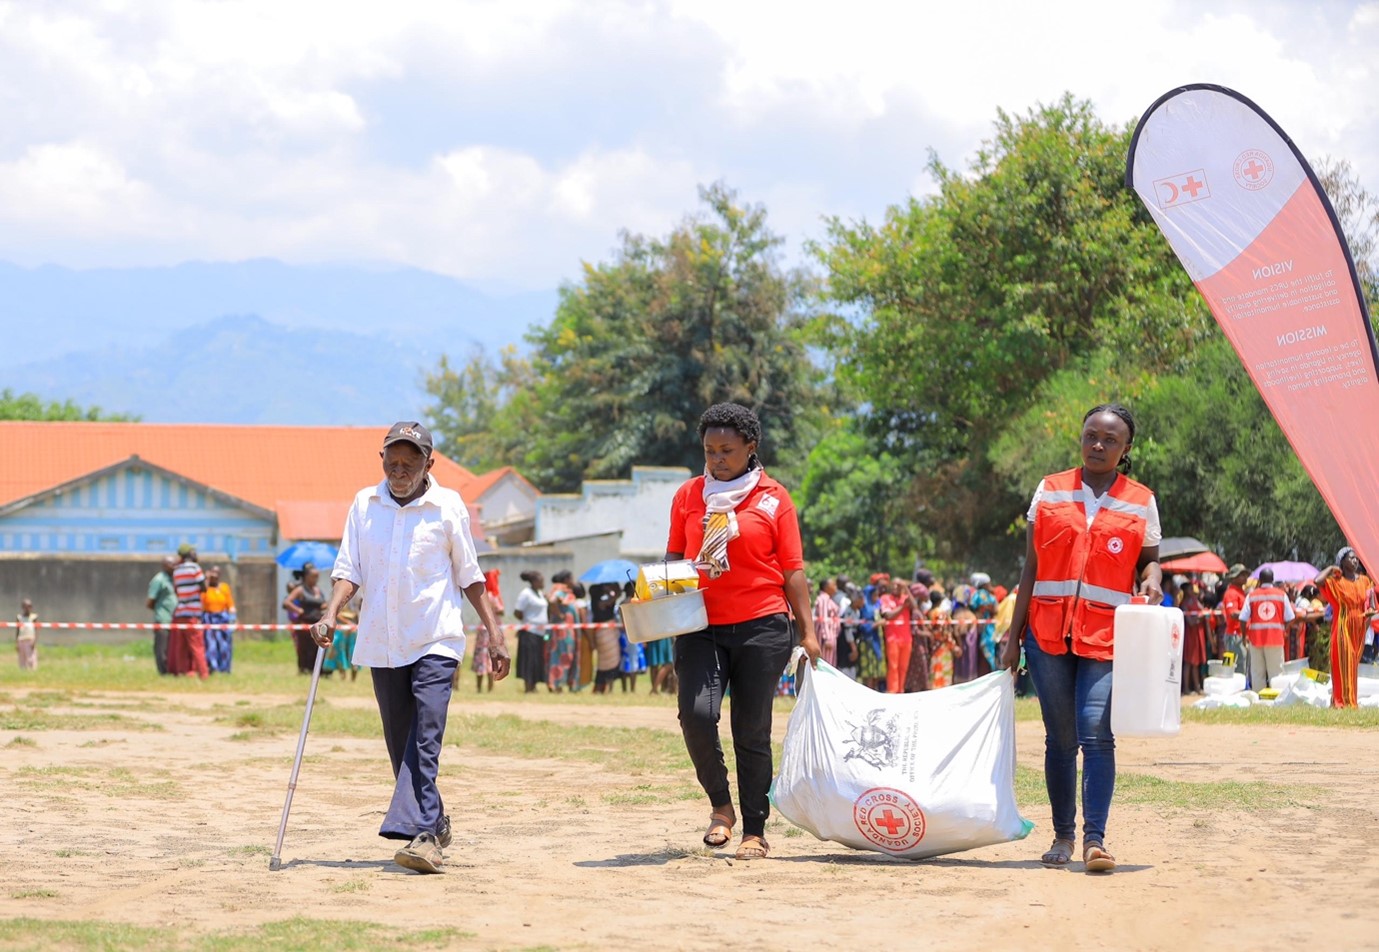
[610, 570]
[320, 554]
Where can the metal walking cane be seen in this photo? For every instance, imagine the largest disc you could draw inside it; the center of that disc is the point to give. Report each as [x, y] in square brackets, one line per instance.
[275, 863]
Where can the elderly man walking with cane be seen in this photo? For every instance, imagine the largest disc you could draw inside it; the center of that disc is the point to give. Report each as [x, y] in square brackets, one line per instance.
[408, 547]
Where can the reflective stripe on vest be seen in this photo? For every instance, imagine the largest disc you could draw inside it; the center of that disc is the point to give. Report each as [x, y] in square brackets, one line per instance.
[1108, 502]
[1074, 591]
[1071, 587]
[1111, 504]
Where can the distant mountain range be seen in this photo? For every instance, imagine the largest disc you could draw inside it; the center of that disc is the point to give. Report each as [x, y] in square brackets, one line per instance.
[247, 342]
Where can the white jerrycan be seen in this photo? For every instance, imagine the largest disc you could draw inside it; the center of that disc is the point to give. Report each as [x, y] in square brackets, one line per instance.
[1146, 675]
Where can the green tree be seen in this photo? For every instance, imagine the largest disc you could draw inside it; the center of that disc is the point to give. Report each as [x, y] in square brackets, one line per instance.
[28, 406]
[855, 509]
[1219, 465]
[644, 343]
[468, 406]
[970, 299]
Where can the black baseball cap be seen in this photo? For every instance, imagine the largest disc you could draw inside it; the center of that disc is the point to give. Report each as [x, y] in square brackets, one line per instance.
[409, 432]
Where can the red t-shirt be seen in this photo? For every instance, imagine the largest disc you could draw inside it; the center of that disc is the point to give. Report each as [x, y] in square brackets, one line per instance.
[1232, 601]
[897, 628]
[767, 546]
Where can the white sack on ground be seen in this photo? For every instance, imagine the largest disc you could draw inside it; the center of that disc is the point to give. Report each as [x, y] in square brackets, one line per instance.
[1221, 687]
[912, 775]
[1305, 691]
[1213, 701]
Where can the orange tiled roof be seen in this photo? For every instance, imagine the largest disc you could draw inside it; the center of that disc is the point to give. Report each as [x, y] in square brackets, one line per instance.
[475, 488]
[308, 473]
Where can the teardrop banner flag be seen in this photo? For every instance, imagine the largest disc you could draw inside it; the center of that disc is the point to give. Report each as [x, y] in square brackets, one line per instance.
[1253, 227]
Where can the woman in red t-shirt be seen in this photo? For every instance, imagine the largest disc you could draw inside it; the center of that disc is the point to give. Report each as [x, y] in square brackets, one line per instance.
[896, 608]
[740, 526]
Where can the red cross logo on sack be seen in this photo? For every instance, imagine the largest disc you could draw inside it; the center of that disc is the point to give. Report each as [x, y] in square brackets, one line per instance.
[889, 818]
[1114, 545]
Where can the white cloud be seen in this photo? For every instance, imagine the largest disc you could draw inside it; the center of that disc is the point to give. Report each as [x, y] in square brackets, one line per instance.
[502, 142]
[60, 186]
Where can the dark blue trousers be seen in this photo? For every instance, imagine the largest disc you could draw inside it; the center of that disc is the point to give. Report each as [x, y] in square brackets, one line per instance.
[413, 701]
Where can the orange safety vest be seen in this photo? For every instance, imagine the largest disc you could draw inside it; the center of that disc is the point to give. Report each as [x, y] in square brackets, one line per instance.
[1084, 572]
[1268, 609]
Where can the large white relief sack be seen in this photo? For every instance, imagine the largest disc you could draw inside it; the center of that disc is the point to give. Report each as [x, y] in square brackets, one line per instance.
[911, 775]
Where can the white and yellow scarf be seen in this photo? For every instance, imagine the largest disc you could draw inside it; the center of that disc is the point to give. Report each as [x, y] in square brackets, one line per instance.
[720, 519]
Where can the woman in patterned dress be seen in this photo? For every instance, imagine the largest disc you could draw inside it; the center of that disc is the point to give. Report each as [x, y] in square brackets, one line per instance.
[943, 648]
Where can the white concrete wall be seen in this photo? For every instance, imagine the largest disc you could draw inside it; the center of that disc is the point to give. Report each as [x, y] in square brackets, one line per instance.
[508, 500]
[639, 507]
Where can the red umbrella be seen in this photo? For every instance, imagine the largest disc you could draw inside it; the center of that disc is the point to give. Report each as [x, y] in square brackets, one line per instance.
[1201, 562]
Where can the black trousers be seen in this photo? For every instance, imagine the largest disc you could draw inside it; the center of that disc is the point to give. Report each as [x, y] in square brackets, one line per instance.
[160, 649]
[747, 660]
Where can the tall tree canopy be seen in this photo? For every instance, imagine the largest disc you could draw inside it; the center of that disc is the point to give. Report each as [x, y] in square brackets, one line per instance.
[1030, 264]
[966, 333]
[639, 348]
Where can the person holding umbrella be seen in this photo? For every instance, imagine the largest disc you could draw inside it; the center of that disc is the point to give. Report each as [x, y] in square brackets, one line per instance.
[407, 548]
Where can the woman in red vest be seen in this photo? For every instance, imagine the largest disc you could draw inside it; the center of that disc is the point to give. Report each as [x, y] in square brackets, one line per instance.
[1092, 543]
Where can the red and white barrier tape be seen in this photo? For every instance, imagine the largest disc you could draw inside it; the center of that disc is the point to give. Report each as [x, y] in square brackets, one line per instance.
[511, 626]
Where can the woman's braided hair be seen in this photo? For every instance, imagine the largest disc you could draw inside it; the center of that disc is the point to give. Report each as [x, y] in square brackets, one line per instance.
[1127, 418]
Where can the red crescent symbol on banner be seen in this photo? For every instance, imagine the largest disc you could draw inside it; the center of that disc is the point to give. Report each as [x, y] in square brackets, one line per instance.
[1172, 198]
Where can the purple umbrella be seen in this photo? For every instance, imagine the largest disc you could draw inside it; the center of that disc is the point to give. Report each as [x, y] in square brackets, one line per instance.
[1289, 571]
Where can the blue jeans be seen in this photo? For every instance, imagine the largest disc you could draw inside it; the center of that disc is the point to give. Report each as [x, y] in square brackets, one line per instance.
[1075, 699]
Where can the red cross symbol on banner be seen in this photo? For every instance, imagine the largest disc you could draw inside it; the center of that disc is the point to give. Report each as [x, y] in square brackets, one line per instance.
[1254, 170]
[1182, 189]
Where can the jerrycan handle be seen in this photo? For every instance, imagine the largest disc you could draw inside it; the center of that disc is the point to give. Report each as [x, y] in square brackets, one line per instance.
[1139, 599]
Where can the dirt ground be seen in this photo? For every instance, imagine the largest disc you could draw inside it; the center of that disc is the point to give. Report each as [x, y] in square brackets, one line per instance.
[528, 869]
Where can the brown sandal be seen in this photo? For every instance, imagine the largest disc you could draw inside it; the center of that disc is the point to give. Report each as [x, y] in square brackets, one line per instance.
[1060, 854]
[720, 830]
[1095, 858]
[753, 847]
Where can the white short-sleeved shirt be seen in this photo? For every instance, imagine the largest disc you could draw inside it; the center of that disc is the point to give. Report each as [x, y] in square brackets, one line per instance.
[532, 606]
[1091, 502]
[412, 564]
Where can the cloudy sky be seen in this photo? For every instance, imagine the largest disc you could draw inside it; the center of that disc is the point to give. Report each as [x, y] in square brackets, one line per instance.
[502, 142]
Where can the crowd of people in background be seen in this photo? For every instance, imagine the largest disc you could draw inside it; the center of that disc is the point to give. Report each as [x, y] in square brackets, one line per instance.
[1331, 620]
[904, 635]
[571, 637]
[193, 617]
[901, 635]
[890, 633]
